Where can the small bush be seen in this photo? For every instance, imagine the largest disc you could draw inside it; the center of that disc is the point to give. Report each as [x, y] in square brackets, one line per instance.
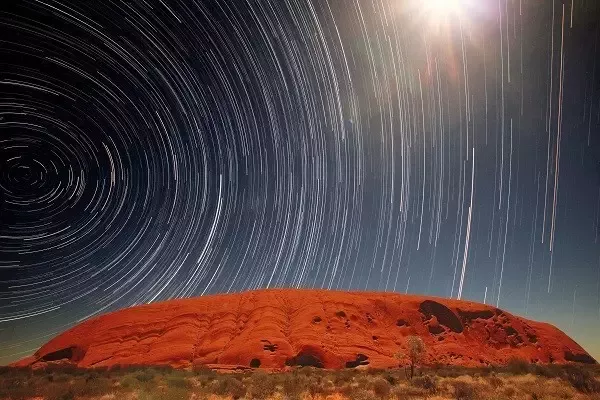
[165, 369]
[392, 380]
[450, 371]
[509, 391]
[547, 371]
[517, 366]
[405, 391]
[344, 376]
[129, 382]
[425, 382]
[174, 393]
[308, 370]
[90, 386]
[145, 376]
[320, 386]
[5, 370]
[494, 381]
[177, 382]
[293, 384]
[102, 371]
[464, 391]
[69, 369]
[381, 387]
[261, 386]
[203, 370]
[15, 387]
[59, 393]
[60, 377]
[360, 394]
[229, 386]
[581, 379]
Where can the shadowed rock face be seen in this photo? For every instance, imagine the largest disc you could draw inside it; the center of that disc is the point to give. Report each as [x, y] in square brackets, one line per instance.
[326, 329]
[443, 315]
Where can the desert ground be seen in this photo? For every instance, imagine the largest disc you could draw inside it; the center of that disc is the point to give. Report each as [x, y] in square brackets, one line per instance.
[517, 380]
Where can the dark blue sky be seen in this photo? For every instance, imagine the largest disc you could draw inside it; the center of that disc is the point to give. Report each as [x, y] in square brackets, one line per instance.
[173, 149]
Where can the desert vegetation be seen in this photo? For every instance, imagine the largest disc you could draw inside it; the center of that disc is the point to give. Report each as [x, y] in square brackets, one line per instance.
[517, 380]
[416, 350]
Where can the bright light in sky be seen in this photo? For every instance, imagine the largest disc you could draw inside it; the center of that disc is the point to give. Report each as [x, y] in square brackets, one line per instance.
[443, 7]
[438, 14]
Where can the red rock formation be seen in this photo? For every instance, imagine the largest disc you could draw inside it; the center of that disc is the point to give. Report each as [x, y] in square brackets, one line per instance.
[275, 328]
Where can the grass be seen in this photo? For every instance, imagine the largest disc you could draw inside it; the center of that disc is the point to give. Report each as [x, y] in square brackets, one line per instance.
[517, 380]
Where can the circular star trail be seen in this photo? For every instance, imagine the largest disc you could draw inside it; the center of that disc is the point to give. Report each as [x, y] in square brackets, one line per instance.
[154, 150]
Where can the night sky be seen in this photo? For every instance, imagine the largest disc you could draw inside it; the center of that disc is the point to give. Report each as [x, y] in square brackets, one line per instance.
[151, 150]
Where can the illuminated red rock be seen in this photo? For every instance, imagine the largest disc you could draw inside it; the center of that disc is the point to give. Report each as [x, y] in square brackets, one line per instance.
[275, 328]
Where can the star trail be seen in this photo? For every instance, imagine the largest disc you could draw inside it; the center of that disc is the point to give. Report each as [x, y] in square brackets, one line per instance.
[152, 150]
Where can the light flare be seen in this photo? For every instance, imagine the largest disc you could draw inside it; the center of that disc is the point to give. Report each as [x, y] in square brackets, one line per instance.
[438, 16]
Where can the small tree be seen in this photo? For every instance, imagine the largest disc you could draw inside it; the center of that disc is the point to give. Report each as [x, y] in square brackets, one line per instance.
[416, 350]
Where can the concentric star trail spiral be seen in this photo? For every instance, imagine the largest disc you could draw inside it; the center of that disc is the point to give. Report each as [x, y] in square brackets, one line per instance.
[152, 150]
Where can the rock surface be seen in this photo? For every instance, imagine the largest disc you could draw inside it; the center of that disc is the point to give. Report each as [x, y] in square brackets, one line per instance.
[286, 327]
